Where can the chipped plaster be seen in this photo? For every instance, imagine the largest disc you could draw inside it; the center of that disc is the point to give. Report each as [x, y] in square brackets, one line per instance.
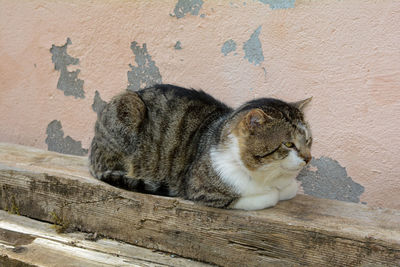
[184, 7]
[279, 4]
[178, 45]
[98, 103]
[329, 180]
[252, 48]
[68, 81]
[146, 73]
[56, 141]
[228, 46]
[343, 53]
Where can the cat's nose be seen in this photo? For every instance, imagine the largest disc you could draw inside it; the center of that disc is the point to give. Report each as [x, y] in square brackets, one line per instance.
[306, 155]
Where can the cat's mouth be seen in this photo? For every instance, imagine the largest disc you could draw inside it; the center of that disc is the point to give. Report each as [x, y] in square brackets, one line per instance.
[293, 168]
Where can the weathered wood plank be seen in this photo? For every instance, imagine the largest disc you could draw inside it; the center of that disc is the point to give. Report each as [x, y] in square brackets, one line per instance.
[302, 231]
[33, 243]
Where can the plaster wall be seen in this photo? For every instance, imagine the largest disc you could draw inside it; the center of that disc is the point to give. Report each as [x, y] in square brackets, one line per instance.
[60, 60]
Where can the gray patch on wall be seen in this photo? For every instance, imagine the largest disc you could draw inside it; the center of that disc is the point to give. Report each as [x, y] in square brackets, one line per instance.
[98, 103]
[187, 6]
[57, 142]
[252, 48]
[330, 180]
[68, 81]
[146, 73]
[178, 45]
[228, 46]
[279, 4]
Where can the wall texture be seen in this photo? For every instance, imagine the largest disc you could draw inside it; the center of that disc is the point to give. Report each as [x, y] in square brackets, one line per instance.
[61, 60]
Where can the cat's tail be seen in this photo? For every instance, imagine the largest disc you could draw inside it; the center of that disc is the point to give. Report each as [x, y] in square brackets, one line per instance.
[115, 178]
[121, 180]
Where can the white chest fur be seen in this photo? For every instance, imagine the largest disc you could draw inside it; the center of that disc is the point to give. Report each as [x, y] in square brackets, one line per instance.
[258, 189]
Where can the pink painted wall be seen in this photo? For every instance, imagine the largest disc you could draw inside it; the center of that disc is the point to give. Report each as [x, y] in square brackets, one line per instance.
[343, 53]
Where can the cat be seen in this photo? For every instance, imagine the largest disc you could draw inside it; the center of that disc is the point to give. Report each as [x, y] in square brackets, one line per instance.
[173, 141]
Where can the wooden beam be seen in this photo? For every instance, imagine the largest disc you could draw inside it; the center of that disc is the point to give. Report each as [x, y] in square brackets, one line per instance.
[33, 243]
[303, 231]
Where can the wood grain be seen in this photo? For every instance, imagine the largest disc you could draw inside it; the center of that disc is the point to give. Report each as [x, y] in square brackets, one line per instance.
[303, 231]
[33, 243]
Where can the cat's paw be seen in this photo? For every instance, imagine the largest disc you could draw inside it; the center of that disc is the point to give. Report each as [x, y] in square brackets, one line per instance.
[258, 202]
[289, 191]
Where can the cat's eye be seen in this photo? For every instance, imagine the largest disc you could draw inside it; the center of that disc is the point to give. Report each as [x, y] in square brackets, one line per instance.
[289, 144]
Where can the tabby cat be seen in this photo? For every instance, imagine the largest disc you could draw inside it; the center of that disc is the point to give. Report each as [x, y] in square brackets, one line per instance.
[181, 142]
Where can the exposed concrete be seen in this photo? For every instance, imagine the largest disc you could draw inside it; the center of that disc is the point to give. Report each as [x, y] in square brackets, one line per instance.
[187, 6]
[68, 81]
[146, 73]
[329, 180]
[279, 4]
[56, 142]
[228, 46]
[178, 45]
[98, 103]
[252, 48]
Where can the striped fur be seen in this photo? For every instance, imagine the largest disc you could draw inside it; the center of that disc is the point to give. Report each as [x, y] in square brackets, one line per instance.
[161, 140]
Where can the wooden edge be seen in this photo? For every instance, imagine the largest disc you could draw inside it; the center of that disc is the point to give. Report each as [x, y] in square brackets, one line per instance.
[303, 231]
[33, 243]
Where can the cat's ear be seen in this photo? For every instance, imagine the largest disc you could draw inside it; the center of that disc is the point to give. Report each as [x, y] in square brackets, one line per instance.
[255, 118]
[301, 104]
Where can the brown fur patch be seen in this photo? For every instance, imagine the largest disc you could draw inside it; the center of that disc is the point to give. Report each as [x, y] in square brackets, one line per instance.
[159, 140]
[260, 137]
[130, 109]
[130, 168]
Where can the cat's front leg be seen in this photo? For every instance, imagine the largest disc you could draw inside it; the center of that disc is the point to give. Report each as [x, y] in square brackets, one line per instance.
[289, 191]
[258, 202]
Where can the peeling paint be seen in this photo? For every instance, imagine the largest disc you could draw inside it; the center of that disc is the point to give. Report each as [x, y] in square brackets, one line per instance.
[329, 180]
[187, 6]
[68, 81]
[228, 46]
[146, 73]
[178, 45]
[98, 103]
[279, 4]
[57, 142]
[252, 48]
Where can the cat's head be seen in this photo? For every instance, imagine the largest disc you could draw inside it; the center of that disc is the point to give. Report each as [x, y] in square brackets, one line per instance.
[270, 131]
